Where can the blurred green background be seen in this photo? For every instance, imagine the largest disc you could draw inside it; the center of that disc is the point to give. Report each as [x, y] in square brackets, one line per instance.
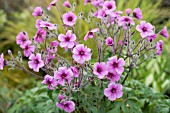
[17, 16]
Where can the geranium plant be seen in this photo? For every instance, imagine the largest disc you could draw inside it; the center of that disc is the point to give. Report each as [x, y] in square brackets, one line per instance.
[129, 41]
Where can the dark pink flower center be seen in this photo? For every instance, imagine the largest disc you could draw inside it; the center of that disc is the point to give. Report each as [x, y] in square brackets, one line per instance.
[70, 18]
[36, 61]
[110, 42]
[26, 47]
[81, 52]
[39, 34]
[48, 82]
[115, 64]
[144, 29]
[109, 6]
[24, 39]
[160, 47]
[49, 59]
[110, 75]
[99, 69]
[113, 90]
[39, 13]
[162, 33]
[66, 105]
[134, 14]
[47, 25]
[90, 33]
[126, 19]
[67, 39]
[63, 75]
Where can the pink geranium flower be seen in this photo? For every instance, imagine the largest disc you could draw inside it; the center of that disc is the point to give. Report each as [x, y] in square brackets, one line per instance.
[49, 58]
[75, 71]
[90, 34]
[151, 38]
[97, 2]
[126, 21]
[109, 41]
[115, 64]
[67, 40]
[40, 35]
[114, 16]
[67, 4]
[69, 19]
[60, 103]
[137, 13]
[100, 13]
[22, 38]
[113, 76]
[35, 62]
[113, 91]
[53, 3]
[128, 11]
[63, 74]
[159, 47]
[109, 6]
[164, 32]
[67, 106]
[145, 29]
[81, 53]
[48, 25]
[60, 97]
[100, 69]
[28, 49]
[50, 81]
[53, 46]
[37, 12]
[2, 61]
[86, 2]
[37, 25]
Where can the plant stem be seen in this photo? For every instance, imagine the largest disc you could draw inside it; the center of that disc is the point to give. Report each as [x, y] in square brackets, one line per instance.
[29, 72]
[130, 68]
[122, 44]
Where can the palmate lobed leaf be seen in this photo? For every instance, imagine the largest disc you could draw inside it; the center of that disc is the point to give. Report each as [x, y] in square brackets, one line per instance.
[131, 102]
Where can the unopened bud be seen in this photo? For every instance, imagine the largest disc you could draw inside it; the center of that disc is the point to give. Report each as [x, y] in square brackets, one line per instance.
[9, 52]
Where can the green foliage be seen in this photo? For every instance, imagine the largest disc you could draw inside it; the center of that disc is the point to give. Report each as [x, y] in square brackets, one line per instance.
[137, 98]
[35, 100]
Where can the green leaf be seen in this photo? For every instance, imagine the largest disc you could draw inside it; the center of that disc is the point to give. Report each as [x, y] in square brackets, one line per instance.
[134, 107]
[94, 109]
[14, 109]
[115, 110]
[124, 108]
[50, 94]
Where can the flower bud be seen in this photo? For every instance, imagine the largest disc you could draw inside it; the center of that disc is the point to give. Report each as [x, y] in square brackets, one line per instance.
[9, 52]
[128, 11]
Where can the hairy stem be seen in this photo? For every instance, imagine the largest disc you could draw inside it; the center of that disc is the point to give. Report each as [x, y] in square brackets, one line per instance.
[122, 44]
[29, 72]
[130, 68]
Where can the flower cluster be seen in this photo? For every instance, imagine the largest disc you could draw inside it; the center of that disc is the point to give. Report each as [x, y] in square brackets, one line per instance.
[112, 33]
